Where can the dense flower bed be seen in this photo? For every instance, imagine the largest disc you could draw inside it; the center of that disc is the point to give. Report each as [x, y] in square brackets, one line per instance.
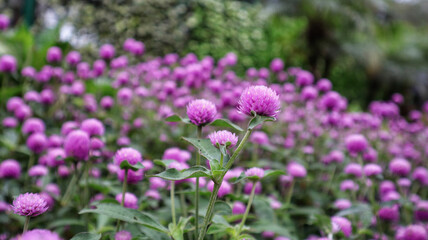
[127, 147]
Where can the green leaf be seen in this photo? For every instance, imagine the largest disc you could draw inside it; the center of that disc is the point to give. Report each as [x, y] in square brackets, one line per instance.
[163, 163]
[177, 118]
[241, 178]
[218, 228]
[362, 211]
[173, 174]
[257, 120]
[125, 165]
[273, 173]
[261, 226]
[177, 232]
[225, 123]
[87, 236]
[65, 222]
[127, 215]
[206, 148]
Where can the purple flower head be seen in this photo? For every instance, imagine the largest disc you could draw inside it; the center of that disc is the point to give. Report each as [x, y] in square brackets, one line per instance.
[38, 171]
[8, 64]
[342, 204]
[10, 168]
[420, 174]
[96, 143]
[29, 204]
[37, 142]
[154, 194]
[123, 235]
[4, 22]
[98, 67]
[14, 103]
[354, 169]
[156, 183]
[421, 211]
[259, 99]
[372, 169]
[249, 185]
[54, 54]
[296, 170]
[39, 234]
[277, 65]
[9, 122]
[309, 93]
[341, 224]
[107, 102]
[29, 72]
[414, 232]
[131, 155]
[400, 167]
[124, 95]
[107, 51]
[201, 112]
[93, 127]
[77, 145]
[32, 96]
[73, 58]
[385, 187]
[131, 201]
[255, 172]
[324, 85]
[389, 213]
[223, 137]
[260, 138]
[225, 188]
[238, 208]
[33, 125]
[133, 177]
[356, 143]
[348, 185]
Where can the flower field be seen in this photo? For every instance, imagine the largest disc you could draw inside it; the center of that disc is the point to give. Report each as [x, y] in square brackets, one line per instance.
[176, 147]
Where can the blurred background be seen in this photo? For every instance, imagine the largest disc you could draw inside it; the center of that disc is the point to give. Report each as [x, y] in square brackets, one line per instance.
[369, 49]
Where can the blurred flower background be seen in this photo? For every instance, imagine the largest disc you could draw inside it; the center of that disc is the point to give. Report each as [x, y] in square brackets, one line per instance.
[369, 49]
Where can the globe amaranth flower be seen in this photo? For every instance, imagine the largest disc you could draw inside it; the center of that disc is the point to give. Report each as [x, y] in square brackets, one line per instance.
[255, 172]
[238, 207]
[177, 154]
[8, 64]
[259, 99]
[225, 188]
[389, 213]
[342, 204]
[413, 232]
[400, 167]
[10, 168]
[296, 170]
[341, 224]
[131, 201]
[201, 112]
[77, 145]
[123, 235]
[39, 234]
[4, 22]
[37, 142]
[133, 177]
[260, 138]
[354, 169]
[249, 186]
[131, 155]
[223, 137]
[92, 127]
[38, 171]
[54, 54]
[372, 169]
[356, 143]
[107, 51]
[29, 204]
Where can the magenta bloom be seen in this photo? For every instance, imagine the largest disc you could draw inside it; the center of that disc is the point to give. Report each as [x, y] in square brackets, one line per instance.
[37, 142]
[92, 126]
[391, 213]
[400, 167]
[38, 171]
[372, 169]
[8, 64]
[33, 125]
[225, 188]
[223, 137]
[77, 144]
[131, 155]
[341, 224]
[133, 176]
[255, 172]
[296, 170]
[356, 143]
[201, 112]
[39, 234]
[73, 58]
[354, 169]
[342, 204]
[10, 168]
[414, 232]
[123, 235]
[259, 137]
[259, 99]
[54, 54]
[238, 208]
[177, 154]
[131, 201]
[4, 22]
[107, 51]
[29, 204]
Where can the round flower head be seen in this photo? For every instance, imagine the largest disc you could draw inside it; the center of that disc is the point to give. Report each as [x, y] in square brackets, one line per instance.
[223, 137]
[4, 22]
[255, 173]
[341, 224]
[249, 186]
[131, 155]
[133, 176]
[421, 212]
[391, 213]
[296, 170]
[38, 171]
[77, 144]
[238, 208]
[54, 54]
[356, 143]
[342, 204]
[8, 64]
[29, 204]
[414, 232]
[37, 142]
[354, 169]
[107, 102]
[33, 125]
[400, 167]
[123, 235]
[9, 122]
[225, 188]
[259, 99]
[372, 169]
[93, 127]
[10, 168]
[39, 234]
[107, 51]
[177, 154]
[131, 201]
[201, 112]
[259, 137]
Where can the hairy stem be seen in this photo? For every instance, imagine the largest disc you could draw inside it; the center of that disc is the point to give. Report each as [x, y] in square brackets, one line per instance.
[250, 201]
[198, 162]
[173, 203]
[27, 222]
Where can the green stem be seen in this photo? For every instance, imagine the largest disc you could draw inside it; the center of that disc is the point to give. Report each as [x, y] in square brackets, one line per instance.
[86, 192]
[173, 203]
[125, 182]
[254, 155]
[221, 160]
[289, 195]
[198, 162]
[250, 201]
[27, 222]
[70, 187]
[213, 196]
